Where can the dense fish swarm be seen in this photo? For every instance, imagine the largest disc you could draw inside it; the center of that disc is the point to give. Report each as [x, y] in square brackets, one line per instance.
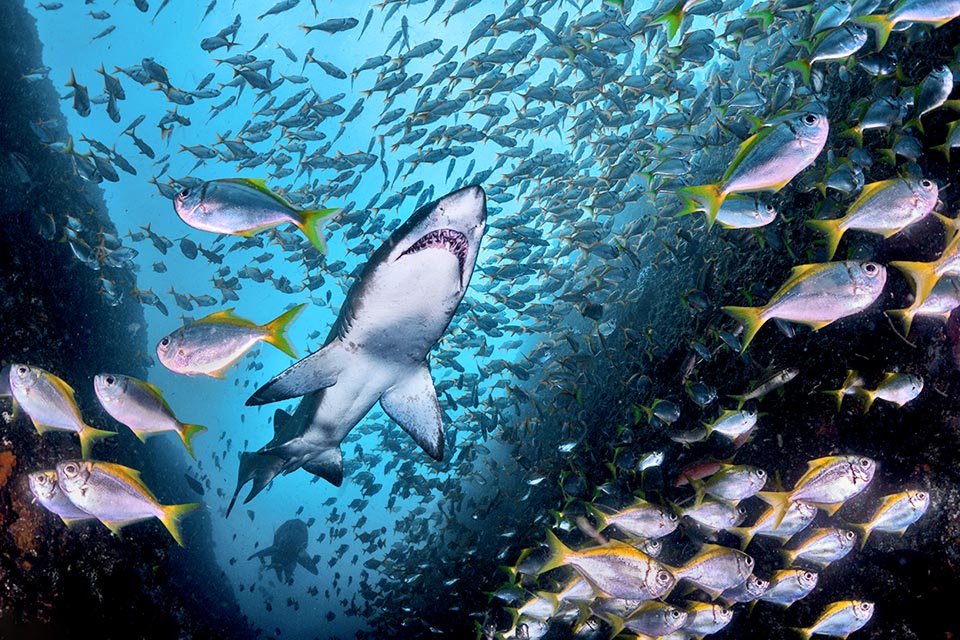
[590, 373]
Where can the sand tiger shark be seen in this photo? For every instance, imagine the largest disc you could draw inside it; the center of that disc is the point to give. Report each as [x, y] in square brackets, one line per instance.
[397, 309]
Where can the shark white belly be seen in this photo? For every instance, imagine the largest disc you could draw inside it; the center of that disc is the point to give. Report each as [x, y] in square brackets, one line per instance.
[394, 313]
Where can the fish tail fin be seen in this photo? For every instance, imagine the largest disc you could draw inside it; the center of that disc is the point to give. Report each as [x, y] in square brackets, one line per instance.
[708, 196]
[89, 435]
[944, 149]
[862, 531]
[881, 25]
[855, 132]
[830, 228]
[803, 66]
[276, 330]
[787, 556]
[779, 501]
[921, 276]
[745, 534]
[310, 224]
[837, 394]
[557, 553]
[187, 433]
[905, 316]
[914, 122]
[751, 318]
[672, 19]
[803, 633]
[173, 514]
[599, 516]
[868, 398]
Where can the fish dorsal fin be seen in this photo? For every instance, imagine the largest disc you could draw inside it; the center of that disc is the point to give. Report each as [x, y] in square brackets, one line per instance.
[412, 403]
[131, 476]
[61, 385]
[870, 190]
[261, 186]
[746, 147]
[802, 271]
[226, 316]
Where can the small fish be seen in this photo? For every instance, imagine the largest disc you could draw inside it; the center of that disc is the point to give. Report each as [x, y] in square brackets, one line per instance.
[705, 618]
[715, 515]
[749, 591]
[212, 344]
[641, 519]
[851, 385]
[617, 570]
[655, 619]
[897, 388]
[732, 483]
[789, 585]
[895, 513]
[241, 206]
[885, 208]
[716, 568]
[744, 212]
[50, 403]
[943, 299]
[280, 7]
[766, 161]
[733, 424]
[838, 44]
[932, 94]
[822, 547]
[816, 295]
[333, 25]
[828, 483]
[840, 619]
[116, 496]
[44, 486]
[650, 460]
[141, 406]
[765, 386]
[81, 99]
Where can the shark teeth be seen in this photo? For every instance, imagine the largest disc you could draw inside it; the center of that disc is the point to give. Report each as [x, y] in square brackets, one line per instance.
[453, 241]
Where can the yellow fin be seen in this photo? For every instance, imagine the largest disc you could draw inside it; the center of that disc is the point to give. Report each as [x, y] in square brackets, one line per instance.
[276, 330]
[226, 316]
[751, 319]
[173, 514]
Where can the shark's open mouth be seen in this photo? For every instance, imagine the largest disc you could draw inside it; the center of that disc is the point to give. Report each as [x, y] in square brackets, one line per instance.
[453, 241]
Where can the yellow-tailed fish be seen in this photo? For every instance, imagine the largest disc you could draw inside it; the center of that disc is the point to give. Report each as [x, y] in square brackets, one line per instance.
[672, 18]
[732, 483]
[798, 517]
[738, 212]
[822, 547]
[704, 618]
[142, 407]
[46, 489]
[828, 483]
[884, 208]
[851, 386]
[212, 344]
[840, 619]
[50, 403]
[789, 585]
[837, 44]
[816, 295]
[116, 495]
[932, 94]
[716, 568]
[542, 606]
[616, 570]
[715, 515]
[242, 206]
[733, 423]
[943, 299]
[656, 619]
[895, 514]
[924, 276]
[952, 141]
[935, 12]
[641, 519]
[749, 590]
[766, 161]
[896, 388]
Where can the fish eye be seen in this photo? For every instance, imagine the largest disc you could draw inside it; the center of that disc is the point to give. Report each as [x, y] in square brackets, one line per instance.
[741, 511]
[674, 613]
[663, 577]
[22, 370]
[808, 575]
[761, 473]
[865, 606]
[70, 468]
[748, 561]
[165, 342]
[921, 495]
[672, 517]
[926, 184]
[110, 380]
[810, 118]
[864, 462]
[850, 535]
[183, 195]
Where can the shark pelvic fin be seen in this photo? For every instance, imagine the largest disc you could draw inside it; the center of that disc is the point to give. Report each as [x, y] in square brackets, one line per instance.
[412, 403]
[317, 371]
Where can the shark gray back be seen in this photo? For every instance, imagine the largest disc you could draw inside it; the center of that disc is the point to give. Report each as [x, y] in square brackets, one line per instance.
[398, 308]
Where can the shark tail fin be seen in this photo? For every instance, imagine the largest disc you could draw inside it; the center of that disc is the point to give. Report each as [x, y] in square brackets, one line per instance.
[89, 435]
[830, 228]
[173, 514]
[259, 468]
[310, 223]
[276, 330]
[187, 432]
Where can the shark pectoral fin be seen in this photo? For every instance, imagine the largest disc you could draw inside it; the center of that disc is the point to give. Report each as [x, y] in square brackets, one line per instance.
[258, 467]
[412, 403]
[307, 562]
[262, 553]
[317, 371]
